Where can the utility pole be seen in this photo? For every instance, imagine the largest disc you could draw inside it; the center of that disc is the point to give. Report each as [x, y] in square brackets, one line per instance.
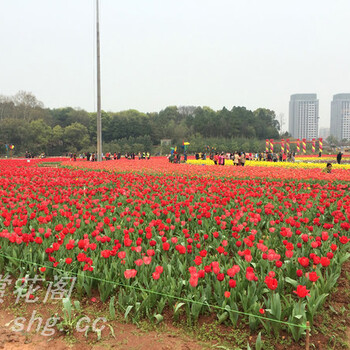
[99, 124]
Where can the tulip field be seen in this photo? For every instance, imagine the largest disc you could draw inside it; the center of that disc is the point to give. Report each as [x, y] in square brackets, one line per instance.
[257, 246]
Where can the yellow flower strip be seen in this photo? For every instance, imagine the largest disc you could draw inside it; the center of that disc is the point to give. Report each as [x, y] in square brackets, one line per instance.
[252, 163]
[323, 159]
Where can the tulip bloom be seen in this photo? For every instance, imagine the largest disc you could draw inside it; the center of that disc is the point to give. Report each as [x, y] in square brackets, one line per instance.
[130, 273]
[301, 291]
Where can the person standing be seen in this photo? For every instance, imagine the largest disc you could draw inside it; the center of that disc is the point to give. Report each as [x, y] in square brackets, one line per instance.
[236, 159]
[216, 159]
[221, 159]
[339, 155]
[243, 158]
[240, 158]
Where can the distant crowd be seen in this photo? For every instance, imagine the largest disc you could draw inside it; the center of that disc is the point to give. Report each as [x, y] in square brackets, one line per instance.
[239, 158]
[29, 155]
[92, 157]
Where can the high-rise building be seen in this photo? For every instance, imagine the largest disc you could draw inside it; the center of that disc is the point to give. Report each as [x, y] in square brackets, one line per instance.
[340, 116]
[303, 116]
[324, 132]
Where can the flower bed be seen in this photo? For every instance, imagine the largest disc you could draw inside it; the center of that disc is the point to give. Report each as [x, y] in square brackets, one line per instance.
[246, 249]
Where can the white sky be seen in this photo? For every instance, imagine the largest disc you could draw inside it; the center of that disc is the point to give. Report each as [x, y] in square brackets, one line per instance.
[155, 53]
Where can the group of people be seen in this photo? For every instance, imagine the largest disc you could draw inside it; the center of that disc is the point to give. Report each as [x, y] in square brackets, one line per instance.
[92, 157]
[140, 155]
[240, 158]
[277, 157]
[144, 155]
[200, 155]
[175, 158]
[29, 155]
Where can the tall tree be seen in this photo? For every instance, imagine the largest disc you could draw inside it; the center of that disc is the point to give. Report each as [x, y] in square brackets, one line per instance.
[76, 137]
[25, 102]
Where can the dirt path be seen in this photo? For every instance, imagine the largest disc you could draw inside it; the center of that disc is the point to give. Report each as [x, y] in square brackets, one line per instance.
[127, 340]
[124, 336]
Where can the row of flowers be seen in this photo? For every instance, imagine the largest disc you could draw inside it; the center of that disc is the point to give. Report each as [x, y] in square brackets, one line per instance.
[282, 165]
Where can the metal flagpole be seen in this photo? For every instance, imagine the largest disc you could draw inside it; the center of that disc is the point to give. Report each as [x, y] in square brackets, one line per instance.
[99, 124]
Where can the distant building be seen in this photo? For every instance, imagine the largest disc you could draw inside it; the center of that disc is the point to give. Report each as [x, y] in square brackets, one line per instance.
[303, 116]
[340, 116]
[324, 132]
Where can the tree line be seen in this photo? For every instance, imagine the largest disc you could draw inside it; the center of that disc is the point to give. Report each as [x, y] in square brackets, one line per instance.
[29, 126]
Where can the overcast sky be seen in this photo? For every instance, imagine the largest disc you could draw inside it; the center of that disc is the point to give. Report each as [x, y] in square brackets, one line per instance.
[156, 53]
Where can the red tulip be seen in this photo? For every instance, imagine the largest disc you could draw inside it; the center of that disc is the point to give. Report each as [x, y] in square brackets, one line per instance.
[301, 291]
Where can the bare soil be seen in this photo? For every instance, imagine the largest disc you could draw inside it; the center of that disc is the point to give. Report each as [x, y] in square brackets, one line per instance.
[115, 335]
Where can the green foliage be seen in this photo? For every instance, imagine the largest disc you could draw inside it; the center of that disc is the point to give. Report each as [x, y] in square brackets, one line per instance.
[71, 316]
[259, 343]
[298, 317]
[25, 123]
[112, 308]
